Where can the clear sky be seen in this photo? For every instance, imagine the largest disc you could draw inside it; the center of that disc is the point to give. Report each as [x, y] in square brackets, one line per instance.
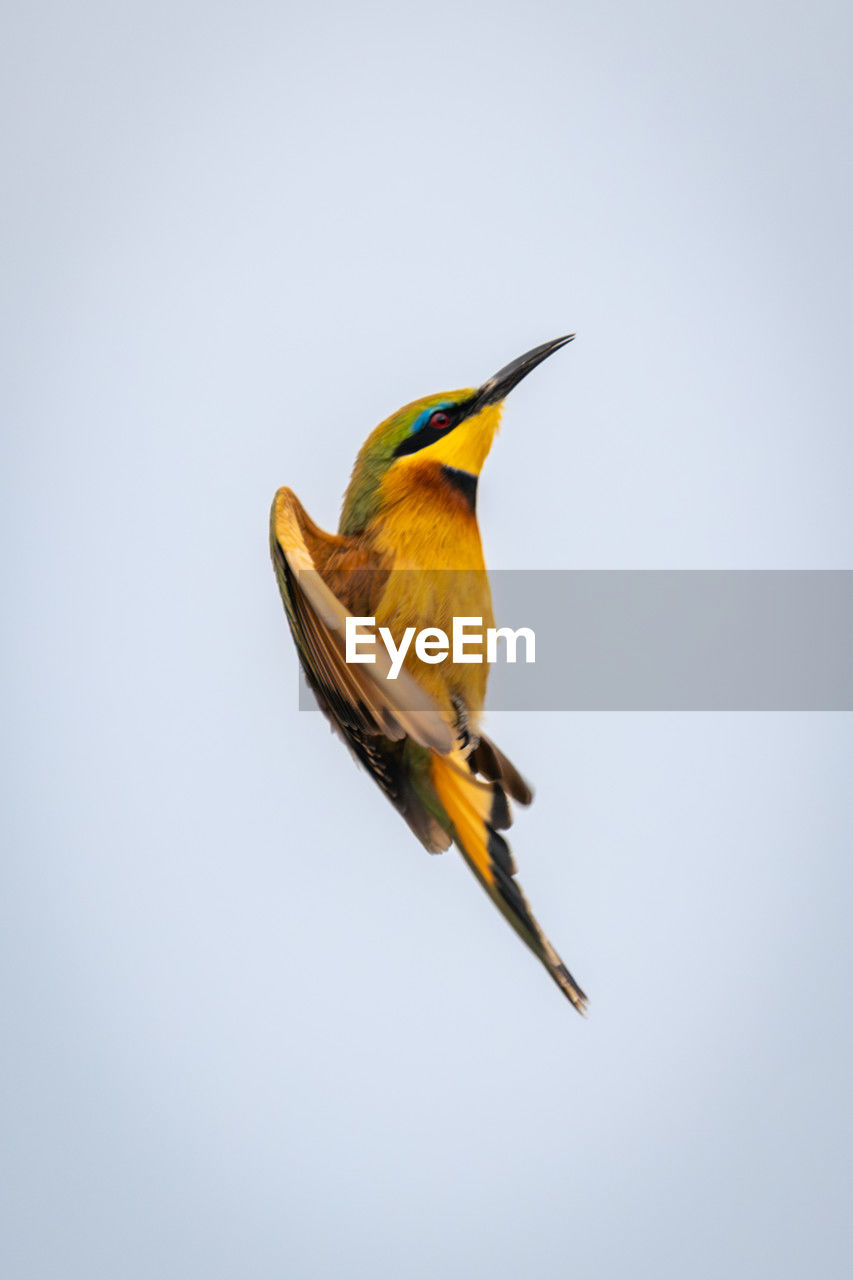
[251, 1029]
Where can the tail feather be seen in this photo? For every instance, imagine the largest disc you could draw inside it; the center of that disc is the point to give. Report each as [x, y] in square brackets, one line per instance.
[491, 762]
[476, 809]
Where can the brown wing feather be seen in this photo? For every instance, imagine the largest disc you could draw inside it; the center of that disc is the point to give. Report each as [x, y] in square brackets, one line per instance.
[360, 697]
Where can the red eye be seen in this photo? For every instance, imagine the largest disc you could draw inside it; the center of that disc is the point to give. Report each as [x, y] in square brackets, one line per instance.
[439, 420]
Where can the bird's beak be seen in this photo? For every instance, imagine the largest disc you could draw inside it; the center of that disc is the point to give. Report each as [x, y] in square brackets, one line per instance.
[499, 386]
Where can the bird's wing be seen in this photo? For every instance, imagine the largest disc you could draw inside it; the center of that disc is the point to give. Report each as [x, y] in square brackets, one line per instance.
[360, 698]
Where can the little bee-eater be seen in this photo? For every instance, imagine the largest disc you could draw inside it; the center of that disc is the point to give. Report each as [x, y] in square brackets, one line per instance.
[408, 554]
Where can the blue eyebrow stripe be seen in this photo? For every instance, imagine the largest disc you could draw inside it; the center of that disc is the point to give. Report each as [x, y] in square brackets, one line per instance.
[423, 418]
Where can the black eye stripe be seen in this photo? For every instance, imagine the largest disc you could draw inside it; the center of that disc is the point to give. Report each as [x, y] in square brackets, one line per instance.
[420, 439]
[430, 431]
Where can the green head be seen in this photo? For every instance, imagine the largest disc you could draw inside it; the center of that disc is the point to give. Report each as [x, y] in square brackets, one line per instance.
[453, 428]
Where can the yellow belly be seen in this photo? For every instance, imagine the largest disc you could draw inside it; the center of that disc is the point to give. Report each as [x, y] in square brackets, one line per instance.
[438, 573]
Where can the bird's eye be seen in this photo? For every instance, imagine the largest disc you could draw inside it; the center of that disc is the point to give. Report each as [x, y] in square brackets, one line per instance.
[439, 419]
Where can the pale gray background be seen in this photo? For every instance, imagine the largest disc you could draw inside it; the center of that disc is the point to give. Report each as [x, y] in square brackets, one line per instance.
[250, 1029]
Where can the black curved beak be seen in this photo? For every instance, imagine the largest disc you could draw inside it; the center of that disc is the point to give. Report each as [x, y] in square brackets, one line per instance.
[499, 386]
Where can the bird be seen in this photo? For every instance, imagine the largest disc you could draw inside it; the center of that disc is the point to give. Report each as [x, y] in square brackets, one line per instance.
[408, 553]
